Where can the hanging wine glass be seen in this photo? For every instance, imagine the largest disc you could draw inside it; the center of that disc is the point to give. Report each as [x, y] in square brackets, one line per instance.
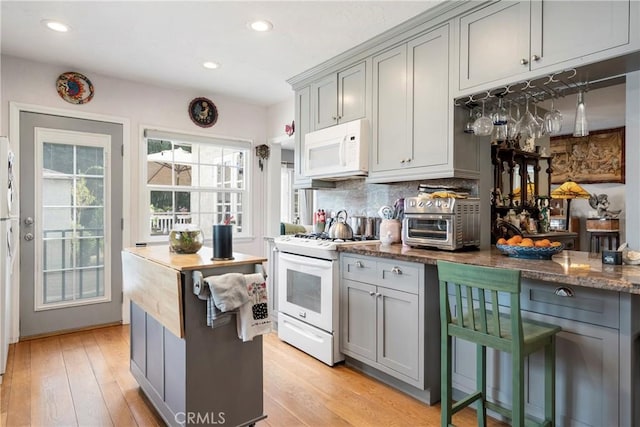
[483, 126]
[468, 127]
[553, 120]
[500, 115]
[540, 128]
[512, 123]
[527, 123]
[581, 127]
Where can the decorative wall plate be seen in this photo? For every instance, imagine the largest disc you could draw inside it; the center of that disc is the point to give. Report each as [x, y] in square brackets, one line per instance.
[74, 88]
[203, 112]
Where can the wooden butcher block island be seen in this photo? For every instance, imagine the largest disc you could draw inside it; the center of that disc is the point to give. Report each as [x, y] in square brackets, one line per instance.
[192, 373]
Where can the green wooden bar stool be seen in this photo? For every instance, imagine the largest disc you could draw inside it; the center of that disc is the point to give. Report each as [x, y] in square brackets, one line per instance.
[505, 332]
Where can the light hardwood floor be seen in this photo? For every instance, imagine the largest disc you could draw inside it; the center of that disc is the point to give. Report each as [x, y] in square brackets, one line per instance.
[83, 379]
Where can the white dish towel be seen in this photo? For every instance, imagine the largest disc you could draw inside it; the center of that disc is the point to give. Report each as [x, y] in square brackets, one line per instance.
[253, 318]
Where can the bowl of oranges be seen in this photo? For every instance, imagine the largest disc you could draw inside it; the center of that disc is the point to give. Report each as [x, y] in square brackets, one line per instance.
[525, 247]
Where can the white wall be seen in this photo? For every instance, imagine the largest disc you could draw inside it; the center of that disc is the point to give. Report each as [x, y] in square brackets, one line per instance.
[31, 82]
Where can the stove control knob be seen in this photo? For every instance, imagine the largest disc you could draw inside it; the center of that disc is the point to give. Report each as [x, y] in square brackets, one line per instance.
[420, 204]
[438, 203]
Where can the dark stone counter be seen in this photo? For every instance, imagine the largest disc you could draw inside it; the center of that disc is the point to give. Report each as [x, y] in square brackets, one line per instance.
[568, 267]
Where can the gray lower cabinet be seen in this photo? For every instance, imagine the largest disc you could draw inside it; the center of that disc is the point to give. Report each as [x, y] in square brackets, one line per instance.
[596, 340]
[383, 306]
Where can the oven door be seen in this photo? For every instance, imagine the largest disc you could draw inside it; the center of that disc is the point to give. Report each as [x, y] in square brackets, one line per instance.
[305, 289]
[429, 229]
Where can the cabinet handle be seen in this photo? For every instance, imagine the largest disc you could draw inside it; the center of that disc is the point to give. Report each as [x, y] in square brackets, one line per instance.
[359, 264]
[402, 161]
[378, 294]
[396, 270]
[524, 61]
[408, 160]
[335, 118]
[372, 293]
[564, 292]
[535, 58]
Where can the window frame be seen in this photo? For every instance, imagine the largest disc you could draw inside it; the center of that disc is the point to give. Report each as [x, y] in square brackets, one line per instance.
[178, 138]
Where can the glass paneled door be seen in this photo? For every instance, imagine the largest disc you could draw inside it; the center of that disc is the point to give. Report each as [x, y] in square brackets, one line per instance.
[71, 193]
[70, 208]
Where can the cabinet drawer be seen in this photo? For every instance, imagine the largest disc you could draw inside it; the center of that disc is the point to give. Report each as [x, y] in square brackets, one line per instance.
[588, 305]
[360, 269]
[400, 276]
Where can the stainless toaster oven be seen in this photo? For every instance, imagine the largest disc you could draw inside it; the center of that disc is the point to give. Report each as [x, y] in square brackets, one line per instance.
[442, 223]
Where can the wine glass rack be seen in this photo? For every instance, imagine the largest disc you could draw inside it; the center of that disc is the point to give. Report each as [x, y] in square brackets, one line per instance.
[551, 86]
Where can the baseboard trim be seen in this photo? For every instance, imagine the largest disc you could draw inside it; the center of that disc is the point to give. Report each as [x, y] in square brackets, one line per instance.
[68, 331]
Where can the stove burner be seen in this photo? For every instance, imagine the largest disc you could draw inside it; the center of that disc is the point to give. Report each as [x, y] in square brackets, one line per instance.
[325, 236]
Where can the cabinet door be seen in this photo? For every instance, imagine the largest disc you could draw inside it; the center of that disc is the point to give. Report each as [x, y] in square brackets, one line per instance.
[398, 331]
[494, 43]
[429, 99]
[562, 31]
[358, 319]
[390, 140]
[303, 121]
[587, 378]
[325, 102]
[352, 97]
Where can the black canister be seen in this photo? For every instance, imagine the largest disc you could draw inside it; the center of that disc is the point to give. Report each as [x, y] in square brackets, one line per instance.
[612, 257]
[222, 242]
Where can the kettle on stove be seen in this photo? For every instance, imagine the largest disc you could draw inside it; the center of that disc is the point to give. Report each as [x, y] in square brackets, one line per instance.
[340, 229]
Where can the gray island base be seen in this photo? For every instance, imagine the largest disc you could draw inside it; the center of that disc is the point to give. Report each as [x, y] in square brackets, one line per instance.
[597, 351]
[192, 374]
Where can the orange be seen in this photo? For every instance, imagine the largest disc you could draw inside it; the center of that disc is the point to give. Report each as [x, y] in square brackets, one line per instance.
[511, 242]
[527, 243]
[517, 238]
[544, 243]
[555, 244]
[502, 241]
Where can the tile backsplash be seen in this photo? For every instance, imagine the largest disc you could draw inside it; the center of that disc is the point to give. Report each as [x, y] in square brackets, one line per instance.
[360, 198]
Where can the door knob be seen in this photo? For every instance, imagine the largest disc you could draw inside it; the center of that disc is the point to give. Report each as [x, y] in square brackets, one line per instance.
[28, 237]
[535, 58]
[28, 220]
[524, 61]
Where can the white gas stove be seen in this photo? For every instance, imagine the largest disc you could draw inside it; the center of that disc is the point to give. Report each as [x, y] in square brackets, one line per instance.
[308, 294]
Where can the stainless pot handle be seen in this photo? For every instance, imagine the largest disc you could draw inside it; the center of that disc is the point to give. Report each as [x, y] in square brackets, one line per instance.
[339, 218]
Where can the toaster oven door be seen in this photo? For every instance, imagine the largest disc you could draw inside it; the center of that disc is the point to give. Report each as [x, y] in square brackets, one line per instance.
[429, 230]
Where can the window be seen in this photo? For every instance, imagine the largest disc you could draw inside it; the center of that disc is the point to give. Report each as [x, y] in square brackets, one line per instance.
[197, 180]
[288, 195]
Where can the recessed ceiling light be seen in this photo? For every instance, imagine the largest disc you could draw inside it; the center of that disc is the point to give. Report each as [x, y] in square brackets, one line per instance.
[56, 25]
[261, 25]
[211, 65]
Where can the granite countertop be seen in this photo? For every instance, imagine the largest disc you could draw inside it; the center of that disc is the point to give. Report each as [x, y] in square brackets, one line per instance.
[568, 267]
[183, 262]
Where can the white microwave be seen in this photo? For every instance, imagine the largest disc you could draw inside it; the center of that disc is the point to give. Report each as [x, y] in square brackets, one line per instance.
[337, 152]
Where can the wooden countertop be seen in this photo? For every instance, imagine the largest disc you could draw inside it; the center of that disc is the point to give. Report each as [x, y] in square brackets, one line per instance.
[186, 262]
[151, 277]
[568, 267]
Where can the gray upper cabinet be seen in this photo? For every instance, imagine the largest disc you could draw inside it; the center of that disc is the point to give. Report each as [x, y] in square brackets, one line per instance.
[303, 126]
[391, 145]
[494, 43]
[340, 97]
[303, 120]
[508, 41]
[412, 114]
